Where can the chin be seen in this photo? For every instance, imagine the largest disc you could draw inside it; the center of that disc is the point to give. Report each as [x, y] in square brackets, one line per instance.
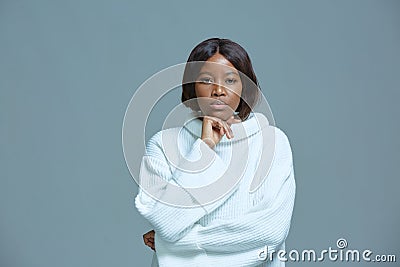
[221, 114]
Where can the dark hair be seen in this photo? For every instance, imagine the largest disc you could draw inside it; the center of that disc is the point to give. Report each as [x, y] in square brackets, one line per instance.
[239, 58]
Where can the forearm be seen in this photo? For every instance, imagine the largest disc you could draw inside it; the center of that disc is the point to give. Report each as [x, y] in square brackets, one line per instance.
[168, 205]
[262, 226]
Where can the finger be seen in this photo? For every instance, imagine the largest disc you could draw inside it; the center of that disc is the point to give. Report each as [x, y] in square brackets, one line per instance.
[218, 125]
[229, 134]
[147, 235]
[150, 245]
[225, 129]
[228, 130]
[215, 123]
[221, 130]
[149, 232]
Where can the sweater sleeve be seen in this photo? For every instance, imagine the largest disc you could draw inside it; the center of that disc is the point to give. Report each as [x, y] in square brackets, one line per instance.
[265, 224]
[168, 185]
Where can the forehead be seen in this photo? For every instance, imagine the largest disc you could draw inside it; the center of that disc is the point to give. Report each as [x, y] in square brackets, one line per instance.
[218, 64]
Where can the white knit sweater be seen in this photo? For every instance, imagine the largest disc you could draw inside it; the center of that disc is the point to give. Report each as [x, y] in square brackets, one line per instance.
[234, 229]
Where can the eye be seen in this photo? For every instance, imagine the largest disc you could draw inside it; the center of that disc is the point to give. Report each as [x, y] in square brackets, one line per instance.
[230, 81]
[206, 80]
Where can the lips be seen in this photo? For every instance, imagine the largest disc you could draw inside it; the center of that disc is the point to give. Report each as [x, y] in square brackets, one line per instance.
[218, 105]
[217, 102]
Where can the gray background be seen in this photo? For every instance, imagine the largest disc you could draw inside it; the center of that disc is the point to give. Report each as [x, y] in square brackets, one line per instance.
[329, 69]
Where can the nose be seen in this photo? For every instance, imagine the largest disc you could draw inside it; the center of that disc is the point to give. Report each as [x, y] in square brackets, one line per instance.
[218, 90]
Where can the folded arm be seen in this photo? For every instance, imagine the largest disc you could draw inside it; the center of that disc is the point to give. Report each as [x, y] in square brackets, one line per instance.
[266, 224]
[172, 221]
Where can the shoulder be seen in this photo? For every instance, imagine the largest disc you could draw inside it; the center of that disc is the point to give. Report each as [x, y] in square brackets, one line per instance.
[281, 136]
[272, 131]
[282, 146]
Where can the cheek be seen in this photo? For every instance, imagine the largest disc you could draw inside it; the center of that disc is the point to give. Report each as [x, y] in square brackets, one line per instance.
[200, 90]
[236, 103]
[236, 96]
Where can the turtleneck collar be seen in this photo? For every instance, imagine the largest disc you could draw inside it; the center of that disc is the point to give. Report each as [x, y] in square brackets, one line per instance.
[254, 123]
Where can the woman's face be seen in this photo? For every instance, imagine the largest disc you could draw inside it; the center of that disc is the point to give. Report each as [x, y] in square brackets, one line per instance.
[218, 87]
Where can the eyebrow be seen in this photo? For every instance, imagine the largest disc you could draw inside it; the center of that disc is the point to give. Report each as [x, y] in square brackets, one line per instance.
[226, 73]
[231, 72]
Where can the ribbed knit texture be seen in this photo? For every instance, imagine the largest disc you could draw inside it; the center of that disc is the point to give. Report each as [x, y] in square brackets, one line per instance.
[232, 230]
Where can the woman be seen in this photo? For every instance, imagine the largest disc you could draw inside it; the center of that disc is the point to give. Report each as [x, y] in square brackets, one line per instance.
[239, 227]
